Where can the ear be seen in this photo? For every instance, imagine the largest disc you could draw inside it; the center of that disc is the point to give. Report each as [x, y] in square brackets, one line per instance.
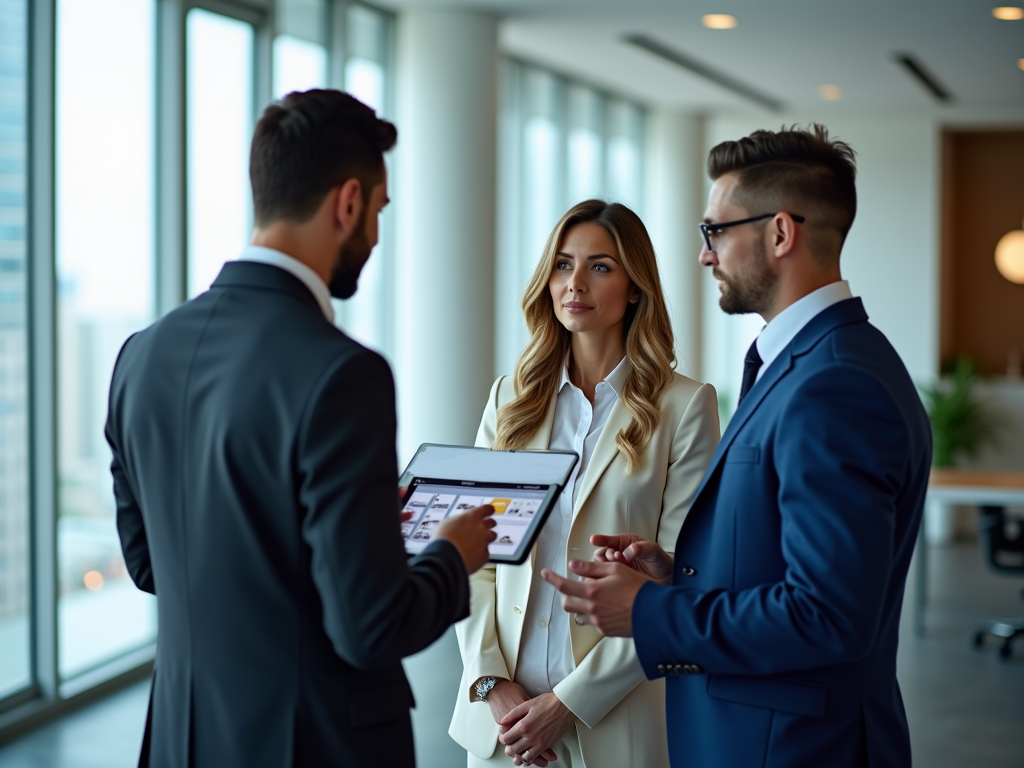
[349, 205]
[785, 234]
[634, 295]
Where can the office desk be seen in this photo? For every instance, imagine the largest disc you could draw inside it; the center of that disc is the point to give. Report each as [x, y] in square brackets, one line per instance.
[962, 486]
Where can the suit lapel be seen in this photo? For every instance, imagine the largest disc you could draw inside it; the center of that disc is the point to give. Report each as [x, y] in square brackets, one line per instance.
[842, 313]
[779, 368]
[604, 452]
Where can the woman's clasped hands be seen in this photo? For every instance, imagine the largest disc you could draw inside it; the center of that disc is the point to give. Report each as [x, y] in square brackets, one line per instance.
[528, 728]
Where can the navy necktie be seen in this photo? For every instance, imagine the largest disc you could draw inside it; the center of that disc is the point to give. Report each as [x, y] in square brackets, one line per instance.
[751, 365]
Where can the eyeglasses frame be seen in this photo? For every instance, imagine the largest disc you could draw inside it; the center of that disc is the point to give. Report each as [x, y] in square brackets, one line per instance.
[706, 229]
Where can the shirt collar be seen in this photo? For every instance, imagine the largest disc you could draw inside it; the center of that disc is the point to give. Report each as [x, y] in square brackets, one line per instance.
[616, 379]
[308, 277]
[777, 335]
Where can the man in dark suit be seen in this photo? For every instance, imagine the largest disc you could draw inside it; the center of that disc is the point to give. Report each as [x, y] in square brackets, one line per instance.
[255, 476]
[777, 621]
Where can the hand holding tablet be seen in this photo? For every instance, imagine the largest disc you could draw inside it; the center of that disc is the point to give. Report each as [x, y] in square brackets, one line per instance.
[521, 486]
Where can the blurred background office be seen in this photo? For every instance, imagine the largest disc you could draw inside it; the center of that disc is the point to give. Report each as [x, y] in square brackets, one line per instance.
[124, 135]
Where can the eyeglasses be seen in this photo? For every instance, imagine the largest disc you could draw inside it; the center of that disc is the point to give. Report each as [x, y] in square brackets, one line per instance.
[711, 231]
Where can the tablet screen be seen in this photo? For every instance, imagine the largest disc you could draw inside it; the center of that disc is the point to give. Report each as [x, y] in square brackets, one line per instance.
[519, 510]
[522, 486]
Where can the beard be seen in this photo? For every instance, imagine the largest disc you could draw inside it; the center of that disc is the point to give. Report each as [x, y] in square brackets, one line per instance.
[752, 289]
[352, 257]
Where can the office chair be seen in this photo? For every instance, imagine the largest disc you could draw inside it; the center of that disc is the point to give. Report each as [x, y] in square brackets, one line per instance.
[1002, 539]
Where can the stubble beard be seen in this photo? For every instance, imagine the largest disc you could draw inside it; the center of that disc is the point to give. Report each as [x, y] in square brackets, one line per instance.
[752, 290]
[352, 257]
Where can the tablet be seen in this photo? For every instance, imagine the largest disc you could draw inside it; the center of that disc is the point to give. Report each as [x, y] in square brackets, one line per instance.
[522, 486]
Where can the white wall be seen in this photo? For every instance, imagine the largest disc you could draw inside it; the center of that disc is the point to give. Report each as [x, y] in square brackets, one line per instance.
[891, 257]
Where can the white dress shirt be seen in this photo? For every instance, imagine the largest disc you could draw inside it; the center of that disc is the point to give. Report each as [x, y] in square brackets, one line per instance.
[545, 655]
[308, 277]
[777, 335]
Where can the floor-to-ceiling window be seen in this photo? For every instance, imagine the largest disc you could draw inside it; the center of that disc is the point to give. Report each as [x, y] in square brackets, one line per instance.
[105, 290]
[301, 46]
[123, 188]
[219, 119]
[561, 142]
[15, 585]
[368, 316]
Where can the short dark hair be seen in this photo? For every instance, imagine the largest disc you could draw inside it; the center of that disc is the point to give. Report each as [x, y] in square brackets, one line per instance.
[308, 143]
[799, 171]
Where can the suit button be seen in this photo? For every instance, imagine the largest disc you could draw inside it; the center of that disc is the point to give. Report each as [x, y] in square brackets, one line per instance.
[696, 669]
[687, 669]
[517, 609]
[678, 669]
[688, 570]
[578, 620]
[661, 668]
[543, 623]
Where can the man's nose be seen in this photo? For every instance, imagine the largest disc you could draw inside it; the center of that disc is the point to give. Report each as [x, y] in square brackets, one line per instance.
[707, 258]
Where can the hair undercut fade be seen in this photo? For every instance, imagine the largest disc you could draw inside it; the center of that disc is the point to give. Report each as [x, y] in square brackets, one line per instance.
[308, 143]
[799, 171]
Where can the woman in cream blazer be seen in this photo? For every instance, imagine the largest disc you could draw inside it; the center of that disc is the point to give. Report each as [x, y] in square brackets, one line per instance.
[641, 477]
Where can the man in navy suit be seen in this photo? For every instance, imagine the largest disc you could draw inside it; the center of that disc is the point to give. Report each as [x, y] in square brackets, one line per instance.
[776, 622]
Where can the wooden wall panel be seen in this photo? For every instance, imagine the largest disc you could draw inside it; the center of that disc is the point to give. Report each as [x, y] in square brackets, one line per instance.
[982, 199]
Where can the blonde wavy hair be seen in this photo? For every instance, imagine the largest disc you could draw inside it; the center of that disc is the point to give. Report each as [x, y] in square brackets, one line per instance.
[648, 332]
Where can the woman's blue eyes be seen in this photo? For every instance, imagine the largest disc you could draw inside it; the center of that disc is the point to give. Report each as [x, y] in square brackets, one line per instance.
[597, 266]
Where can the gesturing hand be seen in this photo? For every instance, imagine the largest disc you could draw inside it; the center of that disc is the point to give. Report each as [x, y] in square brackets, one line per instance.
[636, 552]
[605, 599]
[530, 730]
[504, 697]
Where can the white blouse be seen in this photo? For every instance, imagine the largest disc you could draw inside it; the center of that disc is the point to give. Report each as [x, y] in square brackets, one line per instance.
[545, 656]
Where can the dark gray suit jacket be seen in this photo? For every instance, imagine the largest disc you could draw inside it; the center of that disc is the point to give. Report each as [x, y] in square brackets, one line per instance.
[255, 476]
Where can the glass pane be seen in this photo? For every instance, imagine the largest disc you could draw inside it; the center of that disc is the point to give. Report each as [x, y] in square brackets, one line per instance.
[542, 203]
[365, 315]
[105, 291]
[219, 105]
[300, 51]
[585, 169]
[625, 136]
[298, 65]
[15, 629]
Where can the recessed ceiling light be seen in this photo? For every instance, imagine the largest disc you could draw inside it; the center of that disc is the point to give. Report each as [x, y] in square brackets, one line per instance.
[830, 92]
[1008, 13]
[718, 21]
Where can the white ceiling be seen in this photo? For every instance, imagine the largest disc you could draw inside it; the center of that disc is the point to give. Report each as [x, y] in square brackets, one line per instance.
[782, 48]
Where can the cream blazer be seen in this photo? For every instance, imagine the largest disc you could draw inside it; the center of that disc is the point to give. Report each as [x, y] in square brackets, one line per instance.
[620, 714]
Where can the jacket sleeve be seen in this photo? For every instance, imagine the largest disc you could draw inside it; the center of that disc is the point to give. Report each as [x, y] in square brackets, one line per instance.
[478, 634]
[611, 670]
[378, 605]
[841, 460]
[131, 529]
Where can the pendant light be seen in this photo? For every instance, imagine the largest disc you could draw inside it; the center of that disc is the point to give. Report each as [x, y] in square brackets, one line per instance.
[1010, 256]
[1010, 248]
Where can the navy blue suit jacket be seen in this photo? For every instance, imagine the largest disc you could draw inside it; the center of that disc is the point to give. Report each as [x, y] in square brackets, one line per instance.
[778, 635]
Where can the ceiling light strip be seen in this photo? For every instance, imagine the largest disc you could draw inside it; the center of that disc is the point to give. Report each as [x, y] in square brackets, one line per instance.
[917, 71]
[701, 70]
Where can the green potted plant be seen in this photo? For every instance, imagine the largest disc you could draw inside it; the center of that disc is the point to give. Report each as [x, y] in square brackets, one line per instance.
[962, 423]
